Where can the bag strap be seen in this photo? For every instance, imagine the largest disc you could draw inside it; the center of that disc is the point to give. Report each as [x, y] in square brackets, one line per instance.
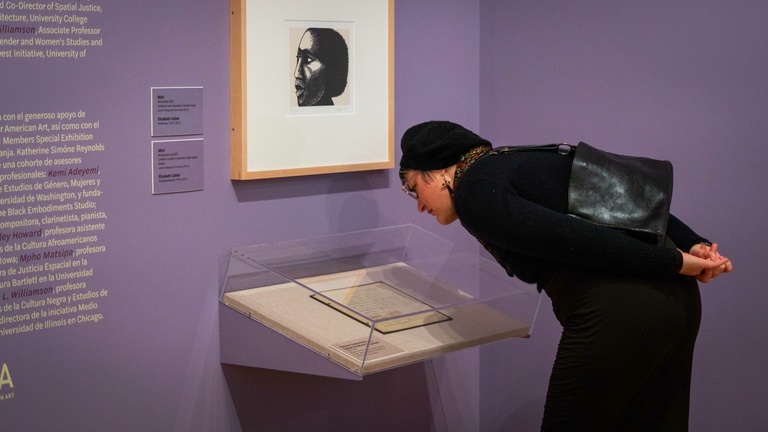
[562, 148]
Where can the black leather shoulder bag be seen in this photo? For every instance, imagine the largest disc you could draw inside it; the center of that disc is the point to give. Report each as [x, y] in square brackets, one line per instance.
[628, 193]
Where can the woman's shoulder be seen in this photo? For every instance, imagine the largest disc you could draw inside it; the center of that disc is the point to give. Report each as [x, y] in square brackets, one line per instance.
[541, 177]
[483, 180]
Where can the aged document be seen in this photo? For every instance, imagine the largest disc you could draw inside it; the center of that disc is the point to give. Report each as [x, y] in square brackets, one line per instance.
[381, 305]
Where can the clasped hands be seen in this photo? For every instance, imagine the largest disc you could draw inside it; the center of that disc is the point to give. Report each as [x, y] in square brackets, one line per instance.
[705, 263]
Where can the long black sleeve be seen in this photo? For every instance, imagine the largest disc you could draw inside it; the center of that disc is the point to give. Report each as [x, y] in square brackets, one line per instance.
[683, 236]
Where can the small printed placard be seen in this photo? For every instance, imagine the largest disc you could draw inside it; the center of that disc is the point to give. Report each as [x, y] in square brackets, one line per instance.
[177, 166]
[177, 111]
[363, 349]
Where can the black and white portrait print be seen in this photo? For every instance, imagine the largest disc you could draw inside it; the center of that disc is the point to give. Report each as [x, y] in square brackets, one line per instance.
[320, 67]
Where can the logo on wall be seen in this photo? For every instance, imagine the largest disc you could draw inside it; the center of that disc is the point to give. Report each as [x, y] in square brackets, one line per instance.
[6, 383]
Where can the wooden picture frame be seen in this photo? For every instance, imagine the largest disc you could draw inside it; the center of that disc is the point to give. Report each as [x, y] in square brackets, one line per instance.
[273, 134]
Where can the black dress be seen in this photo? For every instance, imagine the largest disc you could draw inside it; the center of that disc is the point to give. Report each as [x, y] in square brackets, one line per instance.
[629, 319]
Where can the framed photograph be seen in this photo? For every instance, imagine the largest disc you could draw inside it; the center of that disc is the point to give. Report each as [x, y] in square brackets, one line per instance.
[312, 87]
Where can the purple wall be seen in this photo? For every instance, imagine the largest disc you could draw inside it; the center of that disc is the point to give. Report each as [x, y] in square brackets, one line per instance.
[153, 363]
[681, 82]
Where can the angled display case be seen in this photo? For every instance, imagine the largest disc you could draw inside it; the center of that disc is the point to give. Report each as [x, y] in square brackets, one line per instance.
[352, 304]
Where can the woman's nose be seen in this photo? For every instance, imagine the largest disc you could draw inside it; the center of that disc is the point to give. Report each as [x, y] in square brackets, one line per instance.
[420, 206]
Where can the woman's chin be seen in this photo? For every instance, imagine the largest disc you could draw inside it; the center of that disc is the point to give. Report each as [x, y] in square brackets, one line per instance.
[446, 220]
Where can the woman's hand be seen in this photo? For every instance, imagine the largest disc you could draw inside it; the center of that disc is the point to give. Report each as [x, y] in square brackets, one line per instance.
[705, 263]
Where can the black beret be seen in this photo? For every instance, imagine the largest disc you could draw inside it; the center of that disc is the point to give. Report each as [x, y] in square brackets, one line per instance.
[436, 144]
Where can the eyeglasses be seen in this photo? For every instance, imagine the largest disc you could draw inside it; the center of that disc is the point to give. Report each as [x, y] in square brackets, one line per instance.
[410, 192]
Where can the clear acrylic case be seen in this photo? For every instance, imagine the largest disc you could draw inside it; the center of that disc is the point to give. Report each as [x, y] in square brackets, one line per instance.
[369, 300]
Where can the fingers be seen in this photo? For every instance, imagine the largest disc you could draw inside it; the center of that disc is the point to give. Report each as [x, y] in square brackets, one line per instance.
[717, 271]
[714, 268]
[705, 276]
[722, 264]
[713, 253]
[700, 250]
[705, 263]
[726, 267]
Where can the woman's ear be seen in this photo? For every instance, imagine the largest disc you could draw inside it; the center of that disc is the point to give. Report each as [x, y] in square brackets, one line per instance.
[446, 179]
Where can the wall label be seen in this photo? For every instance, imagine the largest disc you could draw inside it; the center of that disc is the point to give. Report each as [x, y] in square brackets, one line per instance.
[177, 111]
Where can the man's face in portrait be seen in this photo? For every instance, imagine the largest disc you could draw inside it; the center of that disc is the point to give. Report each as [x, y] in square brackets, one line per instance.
[310, 73]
